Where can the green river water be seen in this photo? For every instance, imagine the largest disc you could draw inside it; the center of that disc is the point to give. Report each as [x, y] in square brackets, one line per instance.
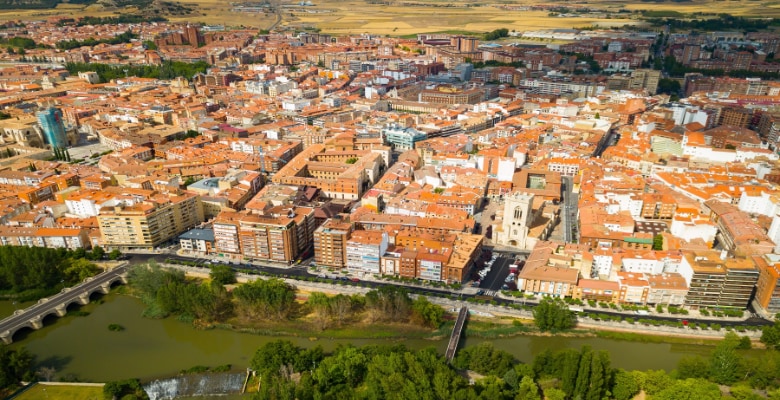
[83, 347]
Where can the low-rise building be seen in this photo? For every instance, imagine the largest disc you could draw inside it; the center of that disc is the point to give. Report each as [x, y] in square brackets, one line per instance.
[197, 241]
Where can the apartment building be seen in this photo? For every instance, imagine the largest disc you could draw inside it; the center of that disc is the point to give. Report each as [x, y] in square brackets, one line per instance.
[546, 274]
[330, 243]
[281, 234]
[146, 225]
[717, 281]
[737, 231]
[768, 284]
[667, 288]
[433, 257]
[55, 238]
[658, 206]
[340, 174]
[268, 238]
[364, 250]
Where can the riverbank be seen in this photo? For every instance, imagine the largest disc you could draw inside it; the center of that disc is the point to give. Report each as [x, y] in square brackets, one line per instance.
[83, 348]
[631, 329]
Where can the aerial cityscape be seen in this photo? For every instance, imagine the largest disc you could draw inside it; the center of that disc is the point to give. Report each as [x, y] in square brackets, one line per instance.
[373, 199]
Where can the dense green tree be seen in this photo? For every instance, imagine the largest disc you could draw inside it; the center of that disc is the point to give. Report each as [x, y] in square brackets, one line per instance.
[342, 307]
[222, 274]
[388, 303]
[544, 363]
[763, 371]
[97, 253]
[658, 242]
[348, 366]
[653, 381]
[626, 386]
[271, 357]
[744, 392]
[528, 390]
[149, 278]
[725, 362]
[15, 366]
[568, 370]
[35, 272]
[78, 269]
[126, 389]
[583, 373]
[426, 313]
[600, 373]
[319, 303]
[114, 254]
[554, 394]
[689, 389]
[770, 335]
[668, 86]
[692, 367]
[553, 315]
[272, 299]
[485, 359]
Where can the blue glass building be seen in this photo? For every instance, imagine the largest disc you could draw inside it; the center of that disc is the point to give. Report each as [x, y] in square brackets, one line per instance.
[53, 127]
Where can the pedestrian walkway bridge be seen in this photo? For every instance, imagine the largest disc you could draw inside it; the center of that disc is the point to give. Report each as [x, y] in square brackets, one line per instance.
[452, 346]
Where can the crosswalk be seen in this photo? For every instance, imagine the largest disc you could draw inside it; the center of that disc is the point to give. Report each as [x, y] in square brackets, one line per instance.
[490, 293]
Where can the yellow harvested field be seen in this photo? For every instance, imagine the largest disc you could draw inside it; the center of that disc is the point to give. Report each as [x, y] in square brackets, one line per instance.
[739, 7]
[360, 17]
[409, 17]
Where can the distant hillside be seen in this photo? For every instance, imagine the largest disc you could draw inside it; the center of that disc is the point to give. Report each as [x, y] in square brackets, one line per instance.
[37, 4]
[151, 7]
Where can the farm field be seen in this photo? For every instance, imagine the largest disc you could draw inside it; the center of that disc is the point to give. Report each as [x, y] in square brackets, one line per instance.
[409, 17]
[354, 17]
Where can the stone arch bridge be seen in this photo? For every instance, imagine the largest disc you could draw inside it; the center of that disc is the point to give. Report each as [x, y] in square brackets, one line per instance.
[57, 305]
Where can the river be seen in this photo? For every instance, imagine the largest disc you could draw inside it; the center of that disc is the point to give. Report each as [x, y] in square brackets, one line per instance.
[83, 347]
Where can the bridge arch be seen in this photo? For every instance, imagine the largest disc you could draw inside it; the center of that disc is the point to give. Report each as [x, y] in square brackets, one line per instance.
[21, 332]
[49, 317]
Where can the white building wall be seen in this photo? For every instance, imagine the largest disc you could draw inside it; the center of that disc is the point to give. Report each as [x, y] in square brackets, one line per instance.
[641, 265]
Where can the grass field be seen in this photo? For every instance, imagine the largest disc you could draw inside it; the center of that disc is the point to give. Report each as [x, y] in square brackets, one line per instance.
[44, 392]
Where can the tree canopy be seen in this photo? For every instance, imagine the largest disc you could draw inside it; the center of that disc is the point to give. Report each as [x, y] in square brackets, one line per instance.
[553, 315]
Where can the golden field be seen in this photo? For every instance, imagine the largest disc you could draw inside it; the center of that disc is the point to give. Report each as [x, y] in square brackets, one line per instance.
[358, 17]
[412, 16]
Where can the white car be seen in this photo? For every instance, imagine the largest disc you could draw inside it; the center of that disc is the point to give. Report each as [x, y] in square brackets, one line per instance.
[510, 278]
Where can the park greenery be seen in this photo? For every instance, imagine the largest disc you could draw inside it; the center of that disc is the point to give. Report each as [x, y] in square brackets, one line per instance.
[168, 293]
[166, 70]
[31, 273]
[125, 37]
[394, 372]
[723, 22]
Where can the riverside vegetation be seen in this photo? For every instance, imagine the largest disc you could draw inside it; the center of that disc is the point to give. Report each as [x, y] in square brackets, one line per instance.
[31, 273]
[286, 371]
[264, 303]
